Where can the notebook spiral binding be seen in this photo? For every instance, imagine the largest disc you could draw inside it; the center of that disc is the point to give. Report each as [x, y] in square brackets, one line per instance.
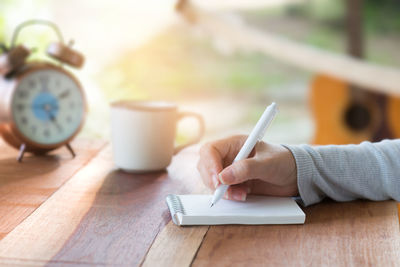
[175, 206]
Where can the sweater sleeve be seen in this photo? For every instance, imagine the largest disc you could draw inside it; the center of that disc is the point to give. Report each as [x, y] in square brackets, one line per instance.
[348, 172]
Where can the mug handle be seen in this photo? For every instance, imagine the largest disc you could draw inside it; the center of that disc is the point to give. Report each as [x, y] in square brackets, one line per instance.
[199, 135]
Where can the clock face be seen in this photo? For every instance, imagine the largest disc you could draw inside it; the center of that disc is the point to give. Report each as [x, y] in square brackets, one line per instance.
[47, 106]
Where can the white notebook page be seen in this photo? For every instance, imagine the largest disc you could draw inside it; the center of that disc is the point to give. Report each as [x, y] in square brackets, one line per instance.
[255, 210]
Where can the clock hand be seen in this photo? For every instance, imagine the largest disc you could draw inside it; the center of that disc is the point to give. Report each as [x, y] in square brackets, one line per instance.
[45, 106]
[53, 120]
[64, 94]
[48, 108]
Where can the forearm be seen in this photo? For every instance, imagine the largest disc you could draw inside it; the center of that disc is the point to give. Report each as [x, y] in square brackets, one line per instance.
[348, 172]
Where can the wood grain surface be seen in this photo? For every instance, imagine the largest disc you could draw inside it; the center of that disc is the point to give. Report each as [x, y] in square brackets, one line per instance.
[25, 186]
[177, 246]
[358, 233]
[100, 216]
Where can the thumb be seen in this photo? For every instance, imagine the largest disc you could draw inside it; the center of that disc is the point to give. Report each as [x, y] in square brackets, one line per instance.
[239, 172]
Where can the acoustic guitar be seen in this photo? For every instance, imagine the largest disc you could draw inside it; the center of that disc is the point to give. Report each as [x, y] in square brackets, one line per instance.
[345, 113]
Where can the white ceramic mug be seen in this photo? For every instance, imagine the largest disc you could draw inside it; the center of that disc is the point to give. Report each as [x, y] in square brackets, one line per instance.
[143, 134]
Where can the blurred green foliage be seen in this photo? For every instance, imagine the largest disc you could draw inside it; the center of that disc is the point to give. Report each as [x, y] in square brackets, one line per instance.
[176, 63]
[322, 23]
[321, 11]
[3, 7]
[381, 23]
[383, 16]
[380, 16]
[33, 37]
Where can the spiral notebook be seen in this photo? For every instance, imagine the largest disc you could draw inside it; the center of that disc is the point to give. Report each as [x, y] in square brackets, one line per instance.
[195, 210]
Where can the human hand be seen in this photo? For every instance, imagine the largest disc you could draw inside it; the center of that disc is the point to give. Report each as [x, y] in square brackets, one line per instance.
[270, 169]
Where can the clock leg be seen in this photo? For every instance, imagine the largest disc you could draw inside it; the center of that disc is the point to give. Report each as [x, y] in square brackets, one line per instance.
[70, 150]
[21, 152]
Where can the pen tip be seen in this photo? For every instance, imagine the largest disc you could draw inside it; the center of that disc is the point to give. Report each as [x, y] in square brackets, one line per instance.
[212, 204]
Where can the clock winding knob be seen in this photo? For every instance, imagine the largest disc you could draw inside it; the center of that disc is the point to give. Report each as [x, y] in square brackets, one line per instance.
[65, 54]
[13, 59]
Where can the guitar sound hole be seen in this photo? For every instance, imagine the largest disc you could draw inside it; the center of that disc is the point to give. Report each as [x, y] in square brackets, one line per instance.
[357, 117]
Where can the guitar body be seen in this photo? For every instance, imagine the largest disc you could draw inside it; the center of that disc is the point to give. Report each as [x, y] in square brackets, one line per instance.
[345, 117]
[331, 103]
[393, 115]
[345, 114]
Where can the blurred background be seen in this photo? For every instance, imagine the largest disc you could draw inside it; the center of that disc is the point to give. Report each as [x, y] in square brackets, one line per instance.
[146, 50]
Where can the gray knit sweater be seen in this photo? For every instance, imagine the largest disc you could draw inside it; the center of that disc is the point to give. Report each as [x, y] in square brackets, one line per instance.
[348, 172]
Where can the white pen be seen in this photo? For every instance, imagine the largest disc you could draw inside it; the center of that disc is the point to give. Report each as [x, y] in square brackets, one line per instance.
[256, 135]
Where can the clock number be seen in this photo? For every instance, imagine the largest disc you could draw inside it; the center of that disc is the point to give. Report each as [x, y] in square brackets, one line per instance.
[59, 128]
[20, 107]
[44, 80]
[64, 94]
[22, 94]
[24, 120]
[32, 84]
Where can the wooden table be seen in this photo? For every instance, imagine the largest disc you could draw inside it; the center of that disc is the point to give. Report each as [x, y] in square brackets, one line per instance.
[56, 210]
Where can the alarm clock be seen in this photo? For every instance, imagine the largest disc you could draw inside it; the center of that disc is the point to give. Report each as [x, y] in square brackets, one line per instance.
[42, 105]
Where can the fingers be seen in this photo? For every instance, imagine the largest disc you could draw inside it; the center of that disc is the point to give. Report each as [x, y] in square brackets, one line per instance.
[228, 148]
[239, 172]
[237, 192]
[209, 165]
[270, 169]
[270, 163]
[214, 156]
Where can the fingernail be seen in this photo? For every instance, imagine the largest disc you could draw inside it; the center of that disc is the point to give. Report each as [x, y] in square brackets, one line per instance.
[226, 176]
[215, 180]
[239, 196]
[226, 195]
[220, 178]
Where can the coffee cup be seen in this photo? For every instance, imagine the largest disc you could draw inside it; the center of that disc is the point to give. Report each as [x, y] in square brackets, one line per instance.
[143, 134]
